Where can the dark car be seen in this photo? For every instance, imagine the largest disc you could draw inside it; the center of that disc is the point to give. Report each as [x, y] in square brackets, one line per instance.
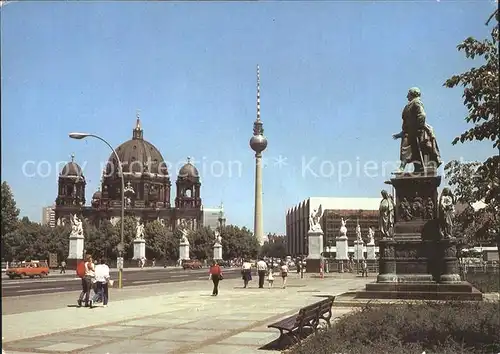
[224, 264]
[191, 264]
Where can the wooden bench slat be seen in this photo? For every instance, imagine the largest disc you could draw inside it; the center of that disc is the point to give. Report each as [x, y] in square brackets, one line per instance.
[308, 316]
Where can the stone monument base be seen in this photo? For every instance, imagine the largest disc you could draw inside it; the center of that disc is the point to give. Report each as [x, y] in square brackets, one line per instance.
[462, 291]
[184, 251]
[312, 265]
[217, 252]
[139, 249]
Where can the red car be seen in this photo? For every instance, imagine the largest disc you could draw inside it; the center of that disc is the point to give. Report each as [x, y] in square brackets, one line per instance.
[191, 264]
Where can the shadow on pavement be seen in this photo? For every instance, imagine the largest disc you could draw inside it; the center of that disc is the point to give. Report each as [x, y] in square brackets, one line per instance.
[286, 342]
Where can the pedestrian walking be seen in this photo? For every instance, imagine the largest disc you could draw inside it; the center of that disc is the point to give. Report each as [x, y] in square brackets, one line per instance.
[216, 276]
[364, 268]
[246, 273]
[298, 264]
[87, 280]
[102, 279]
[284, 273]
[63, 267]
[261, 271]
[270, 277]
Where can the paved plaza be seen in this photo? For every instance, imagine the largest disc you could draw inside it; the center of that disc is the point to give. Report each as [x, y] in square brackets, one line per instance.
[169, 318]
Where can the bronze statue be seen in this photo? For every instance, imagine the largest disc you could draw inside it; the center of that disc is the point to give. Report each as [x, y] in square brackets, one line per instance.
[418, 142]
[386, 216]
[405, 210]
[446, 213]
[429, 209]
[418, 207]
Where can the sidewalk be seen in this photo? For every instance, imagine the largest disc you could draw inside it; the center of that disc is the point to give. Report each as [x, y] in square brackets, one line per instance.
[187, 320]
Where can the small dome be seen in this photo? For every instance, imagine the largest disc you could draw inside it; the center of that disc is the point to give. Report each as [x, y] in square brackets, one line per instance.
[188, 170]
[71, 169]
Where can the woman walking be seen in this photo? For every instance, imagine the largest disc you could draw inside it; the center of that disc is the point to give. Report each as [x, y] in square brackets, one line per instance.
[87, 282]
[216, 276]
[246, 273]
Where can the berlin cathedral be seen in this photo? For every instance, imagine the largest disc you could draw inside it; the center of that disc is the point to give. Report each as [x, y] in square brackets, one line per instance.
[147, 189]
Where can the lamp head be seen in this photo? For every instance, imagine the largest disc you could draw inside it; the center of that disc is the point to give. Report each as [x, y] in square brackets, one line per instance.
[78, 135]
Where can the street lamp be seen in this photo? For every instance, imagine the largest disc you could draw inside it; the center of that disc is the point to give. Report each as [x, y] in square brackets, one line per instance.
[79, 136]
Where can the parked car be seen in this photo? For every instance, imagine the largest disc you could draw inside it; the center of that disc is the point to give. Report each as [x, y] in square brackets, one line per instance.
[191, 264]
[28, 269]
[224, 264]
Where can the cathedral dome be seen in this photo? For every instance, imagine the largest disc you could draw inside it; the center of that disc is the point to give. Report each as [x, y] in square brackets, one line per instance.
[97, 195]
[188, 171]
[71, 169]
[138, 156]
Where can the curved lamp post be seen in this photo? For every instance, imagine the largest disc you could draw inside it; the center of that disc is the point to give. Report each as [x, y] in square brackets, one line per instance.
[80, 136]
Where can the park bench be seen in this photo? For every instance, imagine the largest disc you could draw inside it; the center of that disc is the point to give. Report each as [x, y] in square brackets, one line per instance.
[308, 317]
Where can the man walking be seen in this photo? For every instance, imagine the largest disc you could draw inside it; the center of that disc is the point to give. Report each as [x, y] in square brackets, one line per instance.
[63, 267]
[261, 270]
[364, 269]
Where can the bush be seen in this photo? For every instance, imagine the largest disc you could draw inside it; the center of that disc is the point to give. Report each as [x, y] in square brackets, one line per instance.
[485, 282]
[444, 328]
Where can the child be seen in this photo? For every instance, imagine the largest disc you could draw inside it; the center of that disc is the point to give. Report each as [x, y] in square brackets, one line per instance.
[270, 277]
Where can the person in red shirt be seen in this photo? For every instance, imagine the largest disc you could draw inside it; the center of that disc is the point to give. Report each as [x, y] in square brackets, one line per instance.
[216, 276]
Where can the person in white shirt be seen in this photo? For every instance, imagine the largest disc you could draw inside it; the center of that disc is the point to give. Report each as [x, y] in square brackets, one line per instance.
[284, 273]
[246, 273]
[101, 278]
[261, 270]
[270, 277]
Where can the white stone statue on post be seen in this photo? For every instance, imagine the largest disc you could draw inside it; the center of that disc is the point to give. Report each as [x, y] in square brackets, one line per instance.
[139, 242]
[184, 244]
[76, 226]
[314, 220]
[76, 238]
[139, 231]
[371, 236]
[217, 246]
[358, 233]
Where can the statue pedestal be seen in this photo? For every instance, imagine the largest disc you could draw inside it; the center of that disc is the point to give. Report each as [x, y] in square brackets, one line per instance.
[139, 248]
[76, 243]
[359, 253]
[342, 248]
[370, 251]
[315, 245]
[217, 251]
[417, 263]
[184, 251]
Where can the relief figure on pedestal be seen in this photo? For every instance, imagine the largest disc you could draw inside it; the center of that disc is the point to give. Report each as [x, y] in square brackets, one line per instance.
[417, 208]
[429, 209]
[446, 211]
[418, 142]
[405, 210]
[386, 216]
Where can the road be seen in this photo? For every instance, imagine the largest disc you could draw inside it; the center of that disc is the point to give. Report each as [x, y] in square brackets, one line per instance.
[65, 283]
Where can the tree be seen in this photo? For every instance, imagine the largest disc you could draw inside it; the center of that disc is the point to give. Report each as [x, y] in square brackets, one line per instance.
[238, 243]
[201, 243]
[481, 97]
[10, 212]
[129, 233]
[156, 235]
[471, 224]
[275, 247]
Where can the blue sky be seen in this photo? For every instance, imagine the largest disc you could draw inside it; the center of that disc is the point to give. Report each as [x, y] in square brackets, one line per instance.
[334, 77]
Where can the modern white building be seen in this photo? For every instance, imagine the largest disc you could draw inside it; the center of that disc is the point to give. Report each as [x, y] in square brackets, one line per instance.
[211, 216]
[49, 216]
[364, 210]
